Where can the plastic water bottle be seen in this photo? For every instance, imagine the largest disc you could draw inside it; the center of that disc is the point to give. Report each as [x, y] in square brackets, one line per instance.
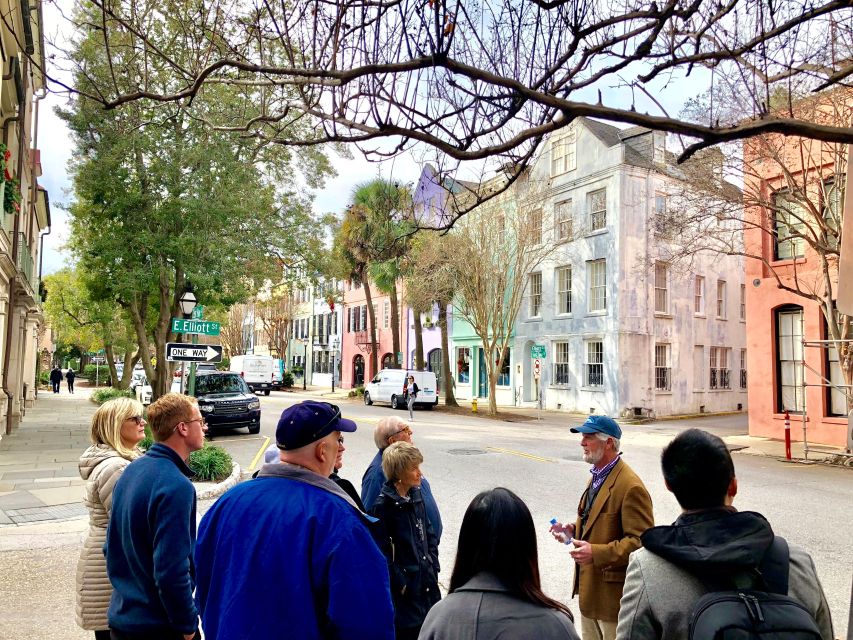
[562, 537]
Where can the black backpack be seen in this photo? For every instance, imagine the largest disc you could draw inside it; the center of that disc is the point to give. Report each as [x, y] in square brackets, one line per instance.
[753, 605]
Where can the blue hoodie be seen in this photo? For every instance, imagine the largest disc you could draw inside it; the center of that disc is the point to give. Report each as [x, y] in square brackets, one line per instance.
[149, 546]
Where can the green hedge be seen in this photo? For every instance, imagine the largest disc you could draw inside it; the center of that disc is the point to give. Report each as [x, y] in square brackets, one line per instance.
[100, 396]
[287, 380]
[44, 377]
[356, 393]
[89, 372]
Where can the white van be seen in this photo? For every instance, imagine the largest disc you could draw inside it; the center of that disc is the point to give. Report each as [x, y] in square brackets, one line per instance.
[387, 386]
[257, 371]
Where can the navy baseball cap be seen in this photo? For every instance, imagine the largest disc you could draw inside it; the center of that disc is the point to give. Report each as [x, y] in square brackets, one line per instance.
[600, 424]
[307, 422]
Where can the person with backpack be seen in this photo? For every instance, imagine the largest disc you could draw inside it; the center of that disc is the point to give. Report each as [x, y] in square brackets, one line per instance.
[717, 573]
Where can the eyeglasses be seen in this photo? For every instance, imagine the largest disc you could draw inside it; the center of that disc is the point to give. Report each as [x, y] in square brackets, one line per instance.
[405, 429]
[203, 423]
[137, 419]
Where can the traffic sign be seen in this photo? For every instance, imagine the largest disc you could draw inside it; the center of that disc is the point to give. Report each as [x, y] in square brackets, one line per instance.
[537, 368]
[199, 327]
[183, 352]
[537, 351]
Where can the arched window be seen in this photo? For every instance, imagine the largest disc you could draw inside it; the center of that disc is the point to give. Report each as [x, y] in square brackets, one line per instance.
[387, 361]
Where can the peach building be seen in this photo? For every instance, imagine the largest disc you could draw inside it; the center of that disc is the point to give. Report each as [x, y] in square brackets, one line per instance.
[793, 195]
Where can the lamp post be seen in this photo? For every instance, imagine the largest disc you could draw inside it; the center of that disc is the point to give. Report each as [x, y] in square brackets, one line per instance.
[305, 364]
[334, 350]
[188, 303]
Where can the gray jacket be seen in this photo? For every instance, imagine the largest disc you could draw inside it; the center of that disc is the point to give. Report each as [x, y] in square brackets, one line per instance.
[660, 592]
[485, 609]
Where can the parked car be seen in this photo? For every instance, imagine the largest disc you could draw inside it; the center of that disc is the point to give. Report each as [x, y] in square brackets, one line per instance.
[277, 374]
[387, 386]
[137, 379]
[142, 389]
[226, 401]
[257, 371]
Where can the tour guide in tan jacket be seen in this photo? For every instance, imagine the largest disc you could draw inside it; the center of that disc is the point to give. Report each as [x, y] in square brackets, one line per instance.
[613, 511]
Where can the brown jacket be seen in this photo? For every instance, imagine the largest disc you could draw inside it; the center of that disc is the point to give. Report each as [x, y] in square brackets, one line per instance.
[621, 511]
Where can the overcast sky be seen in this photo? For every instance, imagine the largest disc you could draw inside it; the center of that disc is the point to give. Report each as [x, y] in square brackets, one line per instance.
[55, 143]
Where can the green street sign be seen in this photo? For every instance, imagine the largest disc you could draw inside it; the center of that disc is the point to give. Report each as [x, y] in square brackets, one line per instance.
[198, 312]
[199, 327]
[537, 351]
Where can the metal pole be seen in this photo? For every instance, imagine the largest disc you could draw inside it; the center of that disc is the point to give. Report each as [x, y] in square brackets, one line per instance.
[191, 381]
[305, 367]
[333, 371]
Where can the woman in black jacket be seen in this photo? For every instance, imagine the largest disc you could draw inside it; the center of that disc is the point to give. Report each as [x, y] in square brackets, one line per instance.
[409, 543]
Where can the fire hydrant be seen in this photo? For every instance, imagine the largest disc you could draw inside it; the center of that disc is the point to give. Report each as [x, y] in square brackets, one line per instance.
[474, 405]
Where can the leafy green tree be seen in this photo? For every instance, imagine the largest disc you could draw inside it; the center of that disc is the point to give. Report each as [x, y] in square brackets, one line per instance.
[163, 202]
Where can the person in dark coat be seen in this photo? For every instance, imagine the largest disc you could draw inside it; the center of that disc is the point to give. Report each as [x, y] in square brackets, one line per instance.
[408, 540]
[495, 591]
[69, 376]
[55, 379]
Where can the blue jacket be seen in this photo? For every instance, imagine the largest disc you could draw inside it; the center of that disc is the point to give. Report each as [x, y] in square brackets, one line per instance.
[289, 550]
[149, 546]
[371, 487]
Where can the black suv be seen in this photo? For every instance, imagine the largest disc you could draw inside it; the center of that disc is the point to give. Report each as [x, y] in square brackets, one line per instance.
[226, 401]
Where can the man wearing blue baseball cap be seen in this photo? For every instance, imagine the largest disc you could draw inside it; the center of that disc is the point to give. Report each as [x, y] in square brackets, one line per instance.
[289, 552]
[614, 510]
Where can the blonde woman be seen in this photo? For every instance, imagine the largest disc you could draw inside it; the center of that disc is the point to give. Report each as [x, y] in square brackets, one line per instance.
[117, 429]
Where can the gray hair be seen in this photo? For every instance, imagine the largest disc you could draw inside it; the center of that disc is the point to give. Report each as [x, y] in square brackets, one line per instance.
[604, 438]
[387, 427]
[398, 458]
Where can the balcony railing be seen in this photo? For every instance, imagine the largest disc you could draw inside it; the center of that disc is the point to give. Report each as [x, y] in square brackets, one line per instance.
[663, 379]
[720, 379]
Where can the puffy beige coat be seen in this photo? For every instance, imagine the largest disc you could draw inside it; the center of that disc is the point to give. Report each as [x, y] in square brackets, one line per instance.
[100, 466]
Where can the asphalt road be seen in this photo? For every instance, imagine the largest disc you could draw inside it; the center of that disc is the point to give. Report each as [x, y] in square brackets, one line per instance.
[539, 460]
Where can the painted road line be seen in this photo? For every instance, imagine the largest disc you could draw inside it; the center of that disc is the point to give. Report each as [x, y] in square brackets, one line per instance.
[521, 454]
[260, 453]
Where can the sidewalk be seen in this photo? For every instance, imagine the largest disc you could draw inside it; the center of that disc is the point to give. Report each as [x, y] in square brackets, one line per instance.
[39, 480]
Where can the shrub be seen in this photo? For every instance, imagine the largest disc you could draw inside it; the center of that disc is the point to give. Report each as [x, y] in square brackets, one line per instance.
[148, 440]
[100, 396]
[359, 391]
[224, 364]
[44, 377]
[90, 371]
[287, 380]
[211, 463]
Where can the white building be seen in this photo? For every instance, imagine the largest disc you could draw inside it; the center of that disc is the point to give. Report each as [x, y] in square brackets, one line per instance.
[624, 333]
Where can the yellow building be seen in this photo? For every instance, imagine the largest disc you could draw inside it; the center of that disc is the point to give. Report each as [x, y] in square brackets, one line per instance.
[25, 206]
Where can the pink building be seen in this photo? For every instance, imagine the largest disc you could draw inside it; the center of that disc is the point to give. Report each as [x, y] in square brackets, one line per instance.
[793, 199]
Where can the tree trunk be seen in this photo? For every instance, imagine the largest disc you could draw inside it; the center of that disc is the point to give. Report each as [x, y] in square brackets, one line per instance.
[374, 345]
[395, 326]
[491, 375]
[446, 375]
[130, 360]
[419, 340]
[108, 349]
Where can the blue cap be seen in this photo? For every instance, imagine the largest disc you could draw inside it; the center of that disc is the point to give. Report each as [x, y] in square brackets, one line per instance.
[307, 422]
[600, 424]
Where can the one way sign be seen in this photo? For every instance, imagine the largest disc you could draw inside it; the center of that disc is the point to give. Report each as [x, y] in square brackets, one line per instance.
[183, 352]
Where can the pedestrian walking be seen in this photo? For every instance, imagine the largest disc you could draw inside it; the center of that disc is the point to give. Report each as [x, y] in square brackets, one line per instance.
[410, 393]
[495, 591]
[614, 510]
[69, 377]
[288, 554]
[408, 540]
[55, 379]
[152, 530]
[713, 546]
[117, 429]
[389, 430]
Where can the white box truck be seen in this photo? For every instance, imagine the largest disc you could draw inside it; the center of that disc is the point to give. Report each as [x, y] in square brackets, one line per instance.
[387, 386]
[257, 371]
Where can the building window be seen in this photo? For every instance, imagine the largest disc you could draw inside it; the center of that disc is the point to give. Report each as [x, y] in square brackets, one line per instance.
[503, 376]
[563, 220]
[699, 367]
[594, 369]
[832, 211]
[563, 276]
[660, 203]
[662, 368]
[386, 314]
[789, 359]
[597, 278]
[743, 368]
[535, 287]
[661, 287]
[743, 302]
[718, 377]
[363, 318]
[721, 299]
[699, 296]
[788, 226]
[837, 393]
[536, 227]
[463, 364]
[597, 206]
[561, 364]
[563, 151]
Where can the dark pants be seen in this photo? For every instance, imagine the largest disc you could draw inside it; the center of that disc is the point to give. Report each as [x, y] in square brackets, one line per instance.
[55, 387]
[71, 386]
[406, 633]
[159, 635]
[102, 635]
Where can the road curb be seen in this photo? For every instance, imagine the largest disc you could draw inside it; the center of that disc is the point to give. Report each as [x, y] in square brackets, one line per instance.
[218, 489]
